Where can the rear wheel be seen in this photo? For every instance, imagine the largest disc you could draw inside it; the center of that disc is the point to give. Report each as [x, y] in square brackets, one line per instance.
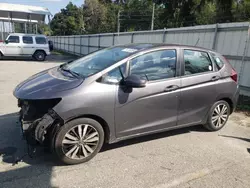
[39, 55]
[79, 140]
[218, 116]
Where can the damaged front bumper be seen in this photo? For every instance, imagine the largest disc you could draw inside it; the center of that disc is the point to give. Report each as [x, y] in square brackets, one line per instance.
[36, 120]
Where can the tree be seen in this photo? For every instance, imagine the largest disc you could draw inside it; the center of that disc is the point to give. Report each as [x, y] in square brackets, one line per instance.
[44, 29]
[177, 13]
[95, 16]
[224, 11]
[68, 22]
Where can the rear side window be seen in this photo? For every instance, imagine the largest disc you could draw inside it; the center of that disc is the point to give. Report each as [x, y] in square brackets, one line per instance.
[41, 40]
[13, 39]
[27, 40]
[218, 61]
[196, 62]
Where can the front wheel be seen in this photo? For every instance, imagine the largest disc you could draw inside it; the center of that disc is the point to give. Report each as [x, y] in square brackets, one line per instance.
[218, 116]
[79, 140]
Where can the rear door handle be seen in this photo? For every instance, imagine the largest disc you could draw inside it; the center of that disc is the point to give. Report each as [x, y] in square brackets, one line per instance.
[215, 78]
[171, 88]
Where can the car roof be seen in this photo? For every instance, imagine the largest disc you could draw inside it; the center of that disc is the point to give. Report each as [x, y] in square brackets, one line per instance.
[26, 34]
[146, 46]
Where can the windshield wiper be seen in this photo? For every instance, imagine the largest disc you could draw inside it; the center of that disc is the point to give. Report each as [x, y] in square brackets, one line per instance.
[75, 74]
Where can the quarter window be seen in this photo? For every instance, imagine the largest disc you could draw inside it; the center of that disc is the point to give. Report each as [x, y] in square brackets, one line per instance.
[41, 40]
[13, 39]
[27, 40]
[114, 76]
[155, 65]
[196, 62]
[217, 61]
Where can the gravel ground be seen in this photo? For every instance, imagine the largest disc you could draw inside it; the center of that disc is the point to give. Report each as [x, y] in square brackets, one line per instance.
[189, 157]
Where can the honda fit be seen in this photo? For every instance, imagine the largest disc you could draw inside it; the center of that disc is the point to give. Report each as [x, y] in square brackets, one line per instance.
[123, 92]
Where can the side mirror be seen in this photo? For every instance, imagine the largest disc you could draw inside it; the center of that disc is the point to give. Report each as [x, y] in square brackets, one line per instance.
[6, 41]
[134, 81]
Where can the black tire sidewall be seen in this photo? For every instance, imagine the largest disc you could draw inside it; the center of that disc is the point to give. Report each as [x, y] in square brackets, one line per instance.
[38, 53]
[209, 124]
[65, 128]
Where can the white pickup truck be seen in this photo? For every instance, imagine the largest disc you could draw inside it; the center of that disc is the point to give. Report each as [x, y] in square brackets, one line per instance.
[27, 45]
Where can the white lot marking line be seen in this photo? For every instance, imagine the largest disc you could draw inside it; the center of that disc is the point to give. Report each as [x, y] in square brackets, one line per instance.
[193, 176]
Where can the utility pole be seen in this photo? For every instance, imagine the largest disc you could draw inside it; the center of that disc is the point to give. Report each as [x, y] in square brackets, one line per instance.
[118, 21]
[153, 17]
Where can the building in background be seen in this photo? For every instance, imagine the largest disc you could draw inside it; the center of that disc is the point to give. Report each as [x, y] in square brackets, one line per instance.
[21, 18]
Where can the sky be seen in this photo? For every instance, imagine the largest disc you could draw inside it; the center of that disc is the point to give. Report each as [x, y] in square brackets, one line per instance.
[54, 6]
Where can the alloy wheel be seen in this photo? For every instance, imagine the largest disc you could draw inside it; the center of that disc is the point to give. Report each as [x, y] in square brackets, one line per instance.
[80, 141]
[220, 115]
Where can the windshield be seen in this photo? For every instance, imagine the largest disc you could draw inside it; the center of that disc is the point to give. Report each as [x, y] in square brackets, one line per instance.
[98, 61]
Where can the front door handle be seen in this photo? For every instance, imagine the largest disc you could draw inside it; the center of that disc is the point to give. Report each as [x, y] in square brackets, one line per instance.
[171, 88]
[215, 78]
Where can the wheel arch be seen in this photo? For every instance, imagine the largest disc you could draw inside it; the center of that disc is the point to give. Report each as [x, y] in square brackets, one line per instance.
[40, 50]
[1, 53]
[100, 120]
[230, 102]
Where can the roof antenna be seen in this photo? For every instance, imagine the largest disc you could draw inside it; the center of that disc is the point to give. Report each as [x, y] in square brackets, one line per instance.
[197, 41]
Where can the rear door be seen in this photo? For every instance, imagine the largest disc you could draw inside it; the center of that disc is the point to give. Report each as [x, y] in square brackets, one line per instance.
[154, 107]
[198, 86]
[13, 47]
[28, 47]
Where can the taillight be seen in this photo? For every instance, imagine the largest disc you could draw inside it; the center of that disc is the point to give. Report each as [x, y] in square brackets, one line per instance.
[234, 75]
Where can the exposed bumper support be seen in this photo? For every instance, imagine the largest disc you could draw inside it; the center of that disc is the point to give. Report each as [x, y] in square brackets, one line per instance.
[35, 131]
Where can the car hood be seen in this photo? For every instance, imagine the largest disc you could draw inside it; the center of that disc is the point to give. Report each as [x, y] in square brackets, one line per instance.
[46, 84]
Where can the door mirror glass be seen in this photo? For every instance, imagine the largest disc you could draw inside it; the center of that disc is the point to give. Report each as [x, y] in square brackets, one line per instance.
[134, 81]
[6, 41]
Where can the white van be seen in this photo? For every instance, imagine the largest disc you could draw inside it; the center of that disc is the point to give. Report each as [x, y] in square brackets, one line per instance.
[28, 45]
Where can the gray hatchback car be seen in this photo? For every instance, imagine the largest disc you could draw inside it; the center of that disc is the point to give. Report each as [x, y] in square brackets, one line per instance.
[123, 92]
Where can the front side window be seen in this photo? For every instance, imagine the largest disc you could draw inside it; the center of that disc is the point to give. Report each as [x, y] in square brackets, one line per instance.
[154, 65]
[13, 39]
[41, 40]
[98, 61]
[27, 40]
[196, 62]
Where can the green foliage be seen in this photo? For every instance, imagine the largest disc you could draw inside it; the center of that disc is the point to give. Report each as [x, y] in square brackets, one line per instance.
[100, 16]
[68, 22]
[44, 29]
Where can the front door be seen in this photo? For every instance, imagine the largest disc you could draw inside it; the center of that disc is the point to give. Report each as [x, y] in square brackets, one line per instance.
[154, 107]
[198, 85]
[13, 47]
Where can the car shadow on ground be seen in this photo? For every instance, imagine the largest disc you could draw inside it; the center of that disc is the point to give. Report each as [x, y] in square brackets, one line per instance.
[240, 138]
[30, 172]
[53, 58]
[38, 170]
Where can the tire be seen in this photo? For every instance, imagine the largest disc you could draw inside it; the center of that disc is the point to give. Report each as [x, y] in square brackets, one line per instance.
[218, 116]
[72, 150]
[39, 55]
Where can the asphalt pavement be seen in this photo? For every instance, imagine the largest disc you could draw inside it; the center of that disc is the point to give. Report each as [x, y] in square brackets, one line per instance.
[189, 157]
